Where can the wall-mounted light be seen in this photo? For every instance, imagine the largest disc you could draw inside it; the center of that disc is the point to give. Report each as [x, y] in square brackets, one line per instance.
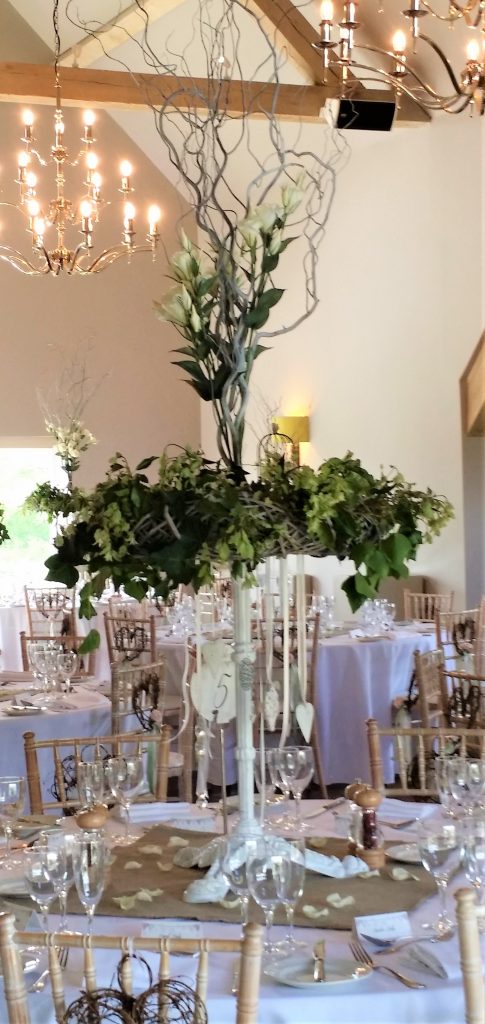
[297, 429]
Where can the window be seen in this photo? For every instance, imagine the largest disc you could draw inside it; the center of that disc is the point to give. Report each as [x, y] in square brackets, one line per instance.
[31, 536]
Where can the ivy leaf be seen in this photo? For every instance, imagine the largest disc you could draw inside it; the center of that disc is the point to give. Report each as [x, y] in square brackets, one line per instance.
[135, 589]
[270, 297]
[269, 263]
[90, 643]
[60, 571]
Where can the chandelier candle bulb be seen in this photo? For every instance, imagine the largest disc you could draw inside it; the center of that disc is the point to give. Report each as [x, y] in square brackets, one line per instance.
[39, 231]
[28, 121]
[473, 51]
[154, 214]
[88, 119]
[128, 224]
[31, 182]
[96, 182]
[326, 11]
[22, 164]
[126, 171]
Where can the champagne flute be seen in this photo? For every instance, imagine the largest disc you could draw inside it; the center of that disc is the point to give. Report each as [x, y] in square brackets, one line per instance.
[89, 863]
[55, 855]
[440, 847]
[289, 886]
[267, 872]
[12, 799]
[233, 855]
[125, 777]
[39, 884]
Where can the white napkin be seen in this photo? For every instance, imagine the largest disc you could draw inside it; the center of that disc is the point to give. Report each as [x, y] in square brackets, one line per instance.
[397, 811]
[159, 812]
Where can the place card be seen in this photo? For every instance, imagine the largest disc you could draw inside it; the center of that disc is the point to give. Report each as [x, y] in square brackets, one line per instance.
[386, 927]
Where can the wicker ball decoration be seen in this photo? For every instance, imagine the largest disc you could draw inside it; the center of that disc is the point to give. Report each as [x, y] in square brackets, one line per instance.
[172, 1001]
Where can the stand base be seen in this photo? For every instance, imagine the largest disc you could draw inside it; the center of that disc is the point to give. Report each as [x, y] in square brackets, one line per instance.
[373, 858]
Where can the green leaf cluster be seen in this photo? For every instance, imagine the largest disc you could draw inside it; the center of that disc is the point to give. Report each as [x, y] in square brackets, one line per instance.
[199, 514]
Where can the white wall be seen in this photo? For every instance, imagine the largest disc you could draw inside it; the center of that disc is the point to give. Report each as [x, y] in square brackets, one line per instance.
[400, 273]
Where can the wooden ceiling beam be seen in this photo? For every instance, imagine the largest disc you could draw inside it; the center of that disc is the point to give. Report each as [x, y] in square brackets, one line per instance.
[472, 388]
[129, 22]
[34, 83]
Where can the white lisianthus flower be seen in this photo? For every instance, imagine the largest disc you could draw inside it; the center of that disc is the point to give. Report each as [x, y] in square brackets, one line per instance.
[250, 235]
[276, 240]
[171, 310]
[291, 197]
[185, 299]
[195, 321]
[182, 266]
[185, 242]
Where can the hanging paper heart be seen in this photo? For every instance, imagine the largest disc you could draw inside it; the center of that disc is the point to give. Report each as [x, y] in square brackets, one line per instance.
[304, 714]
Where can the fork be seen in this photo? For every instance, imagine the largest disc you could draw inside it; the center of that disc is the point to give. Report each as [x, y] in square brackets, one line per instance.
[391, 946]
[362, 956]
[400, 825]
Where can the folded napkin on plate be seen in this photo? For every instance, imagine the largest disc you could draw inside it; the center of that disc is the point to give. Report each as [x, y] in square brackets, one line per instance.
[397, 811]
[153, 812]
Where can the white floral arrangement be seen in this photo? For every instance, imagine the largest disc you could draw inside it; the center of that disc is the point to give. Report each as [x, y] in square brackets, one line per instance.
[71, 440]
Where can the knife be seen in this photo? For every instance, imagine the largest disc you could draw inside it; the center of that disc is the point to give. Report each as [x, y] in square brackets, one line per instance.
[319, 961]
[424, 958]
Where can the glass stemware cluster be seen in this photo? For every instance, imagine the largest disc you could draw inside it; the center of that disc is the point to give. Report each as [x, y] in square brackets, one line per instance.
[289, 769]
[377, 616]
[12, 799]
[51, 664]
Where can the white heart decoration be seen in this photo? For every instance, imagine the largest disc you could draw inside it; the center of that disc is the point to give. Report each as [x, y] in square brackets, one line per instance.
[304, 714]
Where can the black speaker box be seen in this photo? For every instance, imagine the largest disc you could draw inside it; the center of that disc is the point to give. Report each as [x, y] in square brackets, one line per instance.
[361, 115]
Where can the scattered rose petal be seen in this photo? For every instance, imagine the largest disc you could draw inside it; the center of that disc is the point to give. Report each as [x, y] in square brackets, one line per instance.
[370, 874]
[314, 912]
[125, 902]
[318, 842]
[338, 902]
[187, 857]
[402, 875]
[150, 848]
[164, 865]
[145, 896]
[177, 841]
[132, 865]
[230, 904]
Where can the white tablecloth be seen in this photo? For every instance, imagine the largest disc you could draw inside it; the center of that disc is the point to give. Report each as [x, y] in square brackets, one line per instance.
[356, 681]
[90, 716]
[375, 999]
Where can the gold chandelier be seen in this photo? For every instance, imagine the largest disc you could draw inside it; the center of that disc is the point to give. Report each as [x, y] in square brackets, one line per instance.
[62, 214]
[341, 49]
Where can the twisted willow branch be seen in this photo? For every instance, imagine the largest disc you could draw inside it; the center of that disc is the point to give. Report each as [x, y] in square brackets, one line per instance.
[205, 142]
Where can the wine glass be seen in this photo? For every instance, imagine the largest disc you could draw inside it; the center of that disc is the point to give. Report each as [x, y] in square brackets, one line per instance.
[91, 782]
[296, 766]
[67, 663]
[269, 784]
[233, 855]
[267, 871]
[440, 846]
[55, 854]
[39, 884]
[45, 659]
[452, 808]
[89, 863]
[467, 782]
[125, 777]
[12, 799]
[290, 889]
[287, 820]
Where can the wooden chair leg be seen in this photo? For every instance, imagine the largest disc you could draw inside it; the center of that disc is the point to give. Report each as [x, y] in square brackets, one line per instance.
[470, 957]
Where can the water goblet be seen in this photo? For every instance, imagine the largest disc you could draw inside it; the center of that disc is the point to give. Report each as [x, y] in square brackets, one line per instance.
[233, 856]
[266, 774]
[440, 846]
[89, 862]
[296, 766]
[39, 884]
[290, 889]
[267, 872]
[55, 854]
[125, 777]
[45, 658]
[287, 820]
[12, 799]
[67, 663]
[451, 807]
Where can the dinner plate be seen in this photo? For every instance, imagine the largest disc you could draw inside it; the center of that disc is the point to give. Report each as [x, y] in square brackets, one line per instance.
[299, 973]
[407, 853]
[369, 639]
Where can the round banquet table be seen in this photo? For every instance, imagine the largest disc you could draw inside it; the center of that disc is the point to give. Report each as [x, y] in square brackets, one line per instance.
[355, 681]
[375, 999]
[84, 713]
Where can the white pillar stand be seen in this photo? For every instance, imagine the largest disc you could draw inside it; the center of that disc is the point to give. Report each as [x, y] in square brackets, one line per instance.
[213, 887]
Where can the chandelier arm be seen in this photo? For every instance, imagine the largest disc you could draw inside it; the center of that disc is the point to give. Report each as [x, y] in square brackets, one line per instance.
[443, 101]
[109, 256]
[439, 52]
[462, 12]
[20, 263]
[377, 77]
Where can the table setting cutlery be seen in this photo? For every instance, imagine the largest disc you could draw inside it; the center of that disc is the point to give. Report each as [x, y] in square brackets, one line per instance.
[40, 983]
[391, 946]
[319, 961]
[363, 957]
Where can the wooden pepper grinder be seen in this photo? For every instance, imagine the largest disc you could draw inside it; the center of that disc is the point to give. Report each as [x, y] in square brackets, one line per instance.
[369, 848]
